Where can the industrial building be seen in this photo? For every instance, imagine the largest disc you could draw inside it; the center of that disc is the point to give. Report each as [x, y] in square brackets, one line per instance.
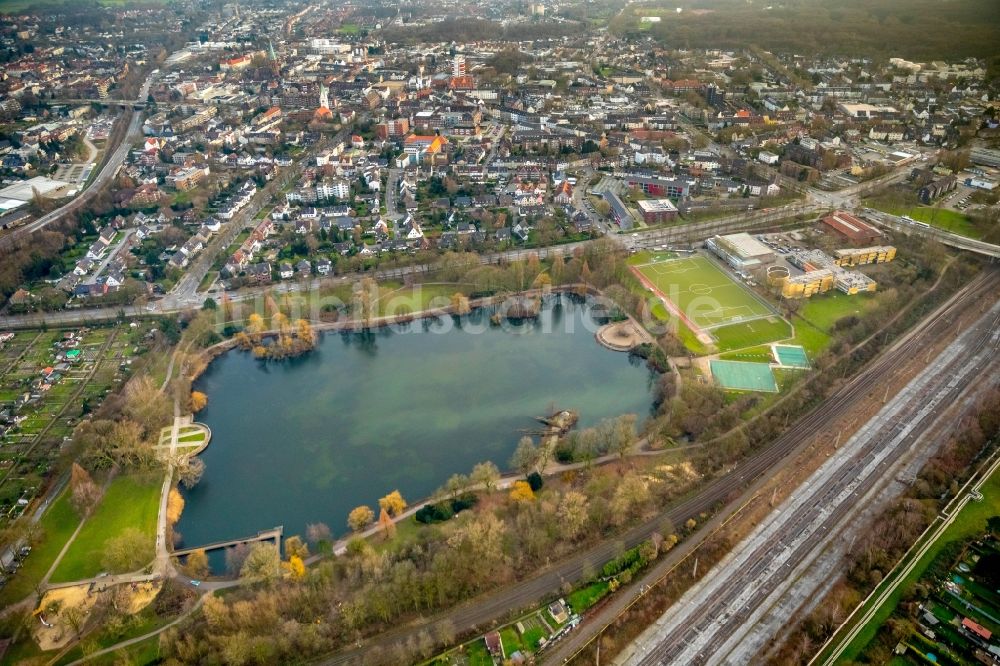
[741, 251]
[851, 228]
[657, 211]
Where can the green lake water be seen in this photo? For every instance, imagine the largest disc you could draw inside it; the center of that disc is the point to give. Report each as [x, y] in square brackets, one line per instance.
[306, 440]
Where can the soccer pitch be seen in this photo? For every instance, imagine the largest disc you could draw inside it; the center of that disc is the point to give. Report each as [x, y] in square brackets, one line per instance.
[703, 292]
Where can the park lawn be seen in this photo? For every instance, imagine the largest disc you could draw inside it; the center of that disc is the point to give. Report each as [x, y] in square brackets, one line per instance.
[140, 624]
[681, 330]
[416, 298]
[585, 597]
[196, 437]
[689, 339]
[823, 310]
[57, 524]
[129, 501]
[24, 651]
[140, 654]
[813, 340]
[751, 333]
[407, 532]
[349, 29]
[941, 218]
[969, 522]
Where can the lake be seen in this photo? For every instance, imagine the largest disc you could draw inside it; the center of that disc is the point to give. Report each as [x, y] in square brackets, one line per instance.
[306, 440]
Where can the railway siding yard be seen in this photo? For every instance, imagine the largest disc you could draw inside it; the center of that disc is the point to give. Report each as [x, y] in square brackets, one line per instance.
[721, 611]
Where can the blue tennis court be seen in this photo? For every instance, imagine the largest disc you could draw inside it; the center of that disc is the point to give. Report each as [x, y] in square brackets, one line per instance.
[790, 356]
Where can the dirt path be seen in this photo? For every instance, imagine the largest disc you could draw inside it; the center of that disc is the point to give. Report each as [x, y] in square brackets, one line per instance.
[138, 639]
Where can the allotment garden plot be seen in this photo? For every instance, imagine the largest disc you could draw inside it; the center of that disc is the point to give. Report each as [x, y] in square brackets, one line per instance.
[711, 302]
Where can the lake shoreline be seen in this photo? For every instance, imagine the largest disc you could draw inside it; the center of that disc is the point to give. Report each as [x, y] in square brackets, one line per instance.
[355, 325]
[318, 423]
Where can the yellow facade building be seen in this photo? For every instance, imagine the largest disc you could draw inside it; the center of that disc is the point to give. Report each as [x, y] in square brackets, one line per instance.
[878, 254]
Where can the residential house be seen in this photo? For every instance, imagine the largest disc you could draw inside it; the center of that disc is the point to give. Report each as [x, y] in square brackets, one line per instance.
[259, 273]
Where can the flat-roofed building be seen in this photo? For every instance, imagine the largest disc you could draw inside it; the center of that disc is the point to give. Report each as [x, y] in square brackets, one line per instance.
[741, 251]
[808, 284]
[877, 254]
[657, 211]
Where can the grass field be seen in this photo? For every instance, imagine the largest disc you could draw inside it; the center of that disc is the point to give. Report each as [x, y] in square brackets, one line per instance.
[703, 292]
[751, 333]
[57, 524]
[130, 501]
[823, 310]
[585, 597]
[969, 522]
[712, 301]
[942, 218]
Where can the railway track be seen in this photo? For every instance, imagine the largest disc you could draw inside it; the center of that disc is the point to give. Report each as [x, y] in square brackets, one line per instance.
[708, 633]
[501, 604]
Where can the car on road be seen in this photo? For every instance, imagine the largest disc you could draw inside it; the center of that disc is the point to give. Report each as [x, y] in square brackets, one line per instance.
[196, 583]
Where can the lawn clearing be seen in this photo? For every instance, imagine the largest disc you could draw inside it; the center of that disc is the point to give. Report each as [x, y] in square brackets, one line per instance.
[824, 310]
[751, 333]
[130, 501]
[585, 597]
[942, 218]
[57, 524]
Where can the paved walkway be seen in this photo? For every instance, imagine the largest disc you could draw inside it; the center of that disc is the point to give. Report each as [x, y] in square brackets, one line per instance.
[162, 562]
